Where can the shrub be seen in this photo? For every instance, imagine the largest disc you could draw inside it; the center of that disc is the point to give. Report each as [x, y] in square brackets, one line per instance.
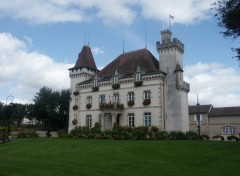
[232, 137]
[4, 132]
[139, 133]
[154, 129]
[218, 136]
[146, 102]
[176, 135]
[161, 135]
[116, 86]
[62, 133]
[48, 133]
[205, 137]
[191, 135]
[96, 129]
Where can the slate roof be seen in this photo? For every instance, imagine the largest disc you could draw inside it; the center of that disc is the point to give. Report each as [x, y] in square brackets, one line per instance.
[204, 109]
[127, 63]
[85, 59]
[225, 111]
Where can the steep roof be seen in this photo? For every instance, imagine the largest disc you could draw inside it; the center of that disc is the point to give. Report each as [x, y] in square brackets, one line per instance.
[128, 62]
[85, 59]
[202, 109]
[225, 111]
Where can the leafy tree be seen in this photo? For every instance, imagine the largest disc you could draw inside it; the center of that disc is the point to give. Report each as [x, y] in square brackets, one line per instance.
[52, 108]
[228, 14]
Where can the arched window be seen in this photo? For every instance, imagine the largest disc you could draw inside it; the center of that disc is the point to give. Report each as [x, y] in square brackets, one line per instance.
[228, 130]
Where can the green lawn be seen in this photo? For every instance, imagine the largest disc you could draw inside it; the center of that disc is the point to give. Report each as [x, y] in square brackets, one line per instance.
[71, 157]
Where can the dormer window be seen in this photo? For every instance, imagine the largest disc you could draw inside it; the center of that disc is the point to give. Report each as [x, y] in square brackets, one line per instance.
[138, 76]
[115, 80]
[95, 83]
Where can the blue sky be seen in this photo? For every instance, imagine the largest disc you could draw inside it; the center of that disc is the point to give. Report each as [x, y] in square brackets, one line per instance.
[41, 39]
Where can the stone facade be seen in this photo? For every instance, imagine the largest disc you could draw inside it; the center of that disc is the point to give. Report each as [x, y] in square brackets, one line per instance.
[216, 121]
[133, 90]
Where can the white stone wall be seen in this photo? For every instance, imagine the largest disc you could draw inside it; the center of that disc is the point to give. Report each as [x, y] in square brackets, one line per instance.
[154, 83]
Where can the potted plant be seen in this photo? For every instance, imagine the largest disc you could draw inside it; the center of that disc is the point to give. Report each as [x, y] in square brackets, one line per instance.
[116, 86]
[75, 107]
[94, 89]
[88, 106]
[138, 83]
[76, 93]
[131, 102]
[74, 122]
[146, 102]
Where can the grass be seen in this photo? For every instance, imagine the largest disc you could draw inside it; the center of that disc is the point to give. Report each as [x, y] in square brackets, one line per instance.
[58, 157]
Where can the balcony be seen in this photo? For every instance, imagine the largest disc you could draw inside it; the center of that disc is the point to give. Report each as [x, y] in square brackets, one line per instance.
[111, 107]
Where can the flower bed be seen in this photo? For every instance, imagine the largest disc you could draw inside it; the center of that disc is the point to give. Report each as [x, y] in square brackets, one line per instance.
[89, 106]
[138, 83]
[146, 102]
[131, 102]
[75, 107]
[116, 86]
[94, 89]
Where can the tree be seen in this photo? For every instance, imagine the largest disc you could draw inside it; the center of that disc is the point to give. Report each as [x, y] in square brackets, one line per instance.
[228, 14]
[52, 108]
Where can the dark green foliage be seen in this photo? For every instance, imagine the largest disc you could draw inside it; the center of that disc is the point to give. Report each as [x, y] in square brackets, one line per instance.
[52, 108]
[232, 137]
[205, 137]
[139, 133]
[218, 136]
[116, 86]
[26, 133]
[228, 14]
[4, 133]
[176, 135]
[190, 135]
[146, 102]
[161, 135]
[131, 102]
[94, 89]
[138, 83]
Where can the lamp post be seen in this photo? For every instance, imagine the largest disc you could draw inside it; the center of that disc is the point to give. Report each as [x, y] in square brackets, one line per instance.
[198, 119]
[11, 98]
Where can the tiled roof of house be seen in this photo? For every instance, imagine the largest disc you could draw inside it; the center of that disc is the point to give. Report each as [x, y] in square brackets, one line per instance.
[225, 111]
[85, 59]
[202, 109]
[127, 63]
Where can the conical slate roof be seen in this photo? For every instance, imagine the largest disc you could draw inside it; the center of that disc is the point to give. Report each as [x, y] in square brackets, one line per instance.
[85, 59]
[127, 63]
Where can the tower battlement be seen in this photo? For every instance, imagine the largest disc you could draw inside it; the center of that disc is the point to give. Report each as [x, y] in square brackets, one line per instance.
[168, 43]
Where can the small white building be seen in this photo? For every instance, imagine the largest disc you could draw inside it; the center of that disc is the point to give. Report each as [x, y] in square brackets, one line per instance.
[135, 89]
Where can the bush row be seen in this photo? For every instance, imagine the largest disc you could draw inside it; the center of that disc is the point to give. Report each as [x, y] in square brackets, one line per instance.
[125, 133]
[4, 133]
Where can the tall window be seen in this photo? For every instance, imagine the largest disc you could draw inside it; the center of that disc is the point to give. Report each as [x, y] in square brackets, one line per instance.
[131, 120]
[147, 119]
[76, 101]
[89, 100]
[146, 94]
[116, 78]
[130, 96]
[89, 121]
[228, 130]
[102, 99]
[116, 98]
[95, 82]
[138, 74]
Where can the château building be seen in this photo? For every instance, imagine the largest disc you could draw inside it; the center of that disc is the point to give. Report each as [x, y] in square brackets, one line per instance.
[135, 89]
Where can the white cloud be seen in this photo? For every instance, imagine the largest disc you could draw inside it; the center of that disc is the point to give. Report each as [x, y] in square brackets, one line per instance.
[97, 51]
[26, 72]
[110, 12]
[214, 83]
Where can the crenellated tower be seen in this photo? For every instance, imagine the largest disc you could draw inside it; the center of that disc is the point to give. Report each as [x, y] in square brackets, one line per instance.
[176, 89]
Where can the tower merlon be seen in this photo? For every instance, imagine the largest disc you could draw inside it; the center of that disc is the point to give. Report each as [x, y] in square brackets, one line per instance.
[167, 43]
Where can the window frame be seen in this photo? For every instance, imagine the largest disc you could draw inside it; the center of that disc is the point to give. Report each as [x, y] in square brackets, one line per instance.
[89, 121]
[147, 119]
[131, 120]
[229, 130]
[131, 96]
[146, 94]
